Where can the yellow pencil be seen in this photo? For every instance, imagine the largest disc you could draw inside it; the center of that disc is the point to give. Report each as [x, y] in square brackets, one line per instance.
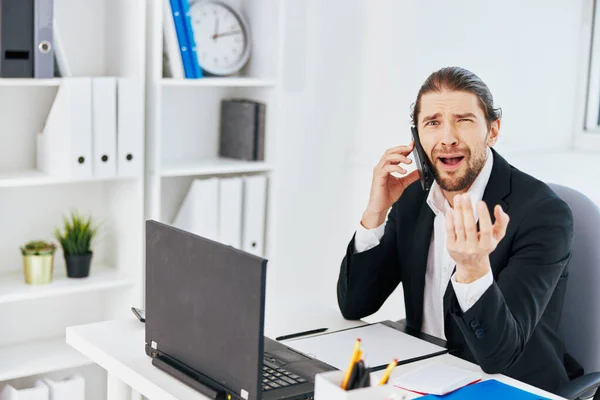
[388, 371]
[353, 360]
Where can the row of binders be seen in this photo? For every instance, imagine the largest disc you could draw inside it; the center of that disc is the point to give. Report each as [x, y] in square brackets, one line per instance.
[95, 129]
[70, 388]
[230, 210]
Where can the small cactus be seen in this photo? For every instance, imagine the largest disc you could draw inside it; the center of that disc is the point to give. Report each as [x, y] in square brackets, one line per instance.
[38, 248]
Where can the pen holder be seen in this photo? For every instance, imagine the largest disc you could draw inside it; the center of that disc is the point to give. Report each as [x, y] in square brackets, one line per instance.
[328, 386]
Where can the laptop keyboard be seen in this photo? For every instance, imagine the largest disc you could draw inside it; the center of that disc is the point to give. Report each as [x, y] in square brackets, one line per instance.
[275, 376]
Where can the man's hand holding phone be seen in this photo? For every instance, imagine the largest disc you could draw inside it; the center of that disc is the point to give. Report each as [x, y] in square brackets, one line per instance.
[386, 189]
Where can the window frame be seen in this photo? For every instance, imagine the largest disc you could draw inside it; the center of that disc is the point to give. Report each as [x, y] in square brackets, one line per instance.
[587, 112]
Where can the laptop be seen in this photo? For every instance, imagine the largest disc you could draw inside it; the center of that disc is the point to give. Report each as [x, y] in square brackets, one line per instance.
[205, 311]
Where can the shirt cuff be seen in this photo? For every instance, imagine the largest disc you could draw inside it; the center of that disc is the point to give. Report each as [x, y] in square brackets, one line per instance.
[365, 239]
[468, 294]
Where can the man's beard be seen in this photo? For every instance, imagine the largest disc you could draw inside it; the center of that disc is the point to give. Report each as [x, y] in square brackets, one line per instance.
[460, 183]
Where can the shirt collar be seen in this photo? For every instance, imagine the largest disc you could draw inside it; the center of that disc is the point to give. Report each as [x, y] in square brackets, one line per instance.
[438, 202]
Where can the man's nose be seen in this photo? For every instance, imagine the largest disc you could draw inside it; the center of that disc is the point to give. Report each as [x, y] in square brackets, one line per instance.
[449, 137]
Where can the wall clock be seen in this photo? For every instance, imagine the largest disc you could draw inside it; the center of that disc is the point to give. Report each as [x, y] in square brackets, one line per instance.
[222, 37]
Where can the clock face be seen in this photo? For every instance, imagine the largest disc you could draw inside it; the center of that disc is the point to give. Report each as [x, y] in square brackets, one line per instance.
[221, 37]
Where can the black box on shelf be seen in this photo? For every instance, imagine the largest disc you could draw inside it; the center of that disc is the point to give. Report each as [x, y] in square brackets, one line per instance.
[242, 129]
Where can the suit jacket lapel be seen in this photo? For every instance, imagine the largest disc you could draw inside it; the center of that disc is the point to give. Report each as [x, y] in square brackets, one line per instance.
[421, 242]
[498, 187]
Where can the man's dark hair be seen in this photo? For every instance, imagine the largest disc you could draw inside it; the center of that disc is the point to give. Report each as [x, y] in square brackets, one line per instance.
[460, 79]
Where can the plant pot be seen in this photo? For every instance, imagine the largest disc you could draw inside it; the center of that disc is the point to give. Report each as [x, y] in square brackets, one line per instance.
[78, 265]
[38, 269]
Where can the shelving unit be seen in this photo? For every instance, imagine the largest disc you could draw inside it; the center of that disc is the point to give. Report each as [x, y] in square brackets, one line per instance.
[105, 38]
[114, 38]
[184, 114]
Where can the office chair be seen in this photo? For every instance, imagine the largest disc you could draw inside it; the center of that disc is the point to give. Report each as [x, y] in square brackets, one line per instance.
[580, 319]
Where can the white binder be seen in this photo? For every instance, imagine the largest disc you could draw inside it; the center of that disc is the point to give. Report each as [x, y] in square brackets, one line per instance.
[104, 126]
[70, 388]
[64, 147]
[230, 211]
[130, 127]
[37, 392]
[254, 209]
[172, 48]
[199, 210]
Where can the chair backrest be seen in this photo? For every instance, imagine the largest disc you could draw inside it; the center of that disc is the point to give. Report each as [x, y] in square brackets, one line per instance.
[580, 319]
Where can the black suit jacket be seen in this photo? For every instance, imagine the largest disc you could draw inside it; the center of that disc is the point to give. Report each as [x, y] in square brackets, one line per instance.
[512, 329]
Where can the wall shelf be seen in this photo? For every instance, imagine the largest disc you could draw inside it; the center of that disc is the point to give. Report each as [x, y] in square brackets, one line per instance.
[17, 82]
[38, 357]
[219, 82]
[215, 166]
[13, 287]
[37, 178]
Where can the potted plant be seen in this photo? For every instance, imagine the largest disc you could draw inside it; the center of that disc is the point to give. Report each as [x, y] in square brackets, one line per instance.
[76, 242]
[38, 261]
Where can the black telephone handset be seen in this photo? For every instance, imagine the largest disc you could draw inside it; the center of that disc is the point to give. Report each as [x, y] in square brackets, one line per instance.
[425, 173]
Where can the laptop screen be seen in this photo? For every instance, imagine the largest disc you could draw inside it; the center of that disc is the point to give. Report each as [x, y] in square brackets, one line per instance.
[205, 306]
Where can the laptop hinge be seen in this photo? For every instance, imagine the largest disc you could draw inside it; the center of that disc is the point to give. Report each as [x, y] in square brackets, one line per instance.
[194, 380]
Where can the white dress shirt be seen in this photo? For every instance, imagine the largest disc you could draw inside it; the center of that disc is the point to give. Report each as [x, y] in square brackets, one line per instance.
[439, 263]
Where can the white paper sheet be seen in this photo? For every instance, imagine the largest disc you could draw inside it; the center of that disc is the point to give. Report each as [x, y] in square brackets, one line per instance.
[380, 344]
[436, 378]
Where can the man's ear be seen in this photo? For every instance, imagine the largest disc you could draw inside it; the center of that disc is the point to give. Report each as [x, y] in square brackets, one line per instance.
[494, 132]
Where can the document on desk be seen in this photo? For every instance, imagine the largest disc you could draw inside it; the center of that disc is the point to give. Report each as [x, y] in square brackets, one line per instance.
[380, 344]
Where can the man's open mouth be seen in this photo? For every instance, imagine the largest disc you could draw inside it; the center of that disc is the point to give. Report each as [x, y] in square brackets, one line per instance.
[451, 160]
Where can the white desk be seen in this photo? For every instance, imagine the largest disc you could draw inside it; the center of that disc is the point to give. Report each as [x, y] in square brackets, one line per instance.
[118, 347]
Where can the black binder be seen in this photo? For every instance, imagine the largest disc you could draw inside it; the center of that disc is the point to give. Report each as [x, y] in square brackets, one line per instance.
[16, 38]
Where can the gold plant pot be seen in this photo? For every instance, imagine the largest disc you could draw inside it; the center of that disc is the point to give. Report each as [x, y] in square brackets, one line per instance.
[38, 268]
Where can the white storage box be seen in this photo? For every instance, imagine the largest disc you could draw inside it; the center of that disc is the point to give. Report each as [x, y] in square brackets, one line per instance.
[71, 388]
[328, 387]
[38, 392]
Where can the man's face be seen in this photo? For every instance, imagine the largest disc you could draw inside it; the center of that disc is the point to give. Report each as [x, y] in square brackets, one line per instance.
[454, 134]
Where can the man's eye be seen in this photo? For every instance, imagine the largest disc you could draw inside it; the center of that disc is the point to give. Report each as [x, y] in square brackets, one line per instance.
[465, 119]
[431, 123]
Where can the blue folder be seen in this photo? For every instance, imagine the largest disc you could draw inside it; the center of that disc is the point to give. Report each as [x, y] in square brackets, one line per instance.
[184, 47]
[488, 390]
[189, 32]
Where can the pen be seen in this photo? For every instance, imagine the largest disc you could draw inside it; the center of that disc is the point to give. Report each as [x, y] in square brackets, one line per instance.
[388, 371]
[354, 376]
[353, 360]
[298, 334]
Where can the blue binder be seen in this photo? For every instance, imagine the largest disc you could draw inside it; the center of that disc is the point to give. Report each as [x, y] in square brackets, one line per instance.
[189, 31]
[488, 390]
[184, 48]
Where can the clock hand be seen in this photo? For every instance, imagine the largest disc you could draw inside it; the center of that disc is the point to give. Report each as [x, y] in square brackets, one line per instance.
[215, 36]
[226, 34]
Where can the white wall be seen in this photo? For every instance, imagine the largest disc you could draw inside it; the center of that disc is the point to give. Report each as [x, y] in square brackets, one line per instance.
[319, 104]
